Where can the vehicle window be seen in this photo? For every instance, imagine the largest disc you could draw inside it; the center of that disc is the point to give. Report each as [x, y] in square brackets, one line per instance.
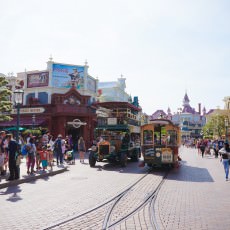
[171, 137]
[148, 137]
[160, 135]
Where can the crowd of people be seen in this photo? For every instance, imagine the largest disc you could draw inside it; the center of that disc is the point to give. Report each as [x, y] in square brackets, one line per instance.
[40, 153]
[220, 148]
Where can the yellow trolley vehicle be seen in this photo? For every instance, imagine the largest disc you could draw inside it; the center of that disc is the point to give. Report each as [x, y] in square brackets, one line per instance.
[160, 141]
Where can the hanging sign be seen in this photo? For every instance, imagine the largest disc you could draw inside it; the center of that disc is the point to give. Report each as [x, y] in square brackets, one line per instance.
[29, 110]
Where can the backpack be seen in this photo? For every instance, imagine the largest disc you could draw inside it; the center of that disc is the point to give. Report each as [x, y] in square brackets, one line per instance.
[24, 150]
[57, 145]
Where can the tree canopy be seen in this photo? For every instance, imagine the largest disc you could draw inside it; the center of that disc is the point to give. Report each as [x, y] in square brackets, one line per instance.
[215, 126]
[5, 102]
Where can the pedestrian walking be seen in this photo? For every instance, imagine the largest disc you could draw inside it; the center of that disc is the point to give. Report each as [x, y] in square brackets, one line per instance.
[31, 153]
[225, 156]
[4, 146]
[13, 148]
[81, 149]
[215, 148]
[198, 147]
[202, 148]
[38, 148]
[58, 149]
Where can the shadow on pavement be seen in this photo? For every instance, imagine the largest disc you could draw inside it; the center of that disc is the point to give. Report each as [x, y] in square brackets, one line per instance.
[13, 192]
[130, 168]
[190, 174]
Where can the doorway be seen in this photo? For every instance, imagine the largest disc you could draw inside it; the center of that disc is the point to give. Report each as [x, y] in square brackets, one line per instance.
[75, 133]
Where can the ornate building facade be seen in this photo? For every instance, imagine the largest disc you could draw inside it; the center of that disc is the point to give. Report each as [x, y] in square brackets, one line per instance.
[60, 98]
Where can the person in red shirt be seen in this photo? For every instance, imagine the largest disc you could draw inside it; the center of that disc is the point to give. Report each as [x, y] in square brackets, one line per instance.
[44, 157]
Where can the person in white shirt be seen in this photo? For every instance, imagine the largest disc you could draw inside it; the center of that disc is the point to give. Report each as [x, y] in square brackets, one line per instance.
[225, 156]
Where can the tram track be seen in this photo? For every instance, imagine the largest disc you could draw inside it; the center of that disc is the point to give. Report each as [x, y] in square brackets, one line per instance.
[148, 201]
[139, 197]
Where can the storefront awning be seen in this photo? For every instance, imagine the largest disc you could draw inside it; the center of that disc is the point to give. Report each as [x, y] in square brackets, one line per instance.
[24, 121]
[113, 127]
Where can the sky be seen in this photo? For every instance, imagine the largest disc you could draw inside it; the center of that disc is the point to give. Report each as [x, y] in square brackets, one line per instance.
[163, 48]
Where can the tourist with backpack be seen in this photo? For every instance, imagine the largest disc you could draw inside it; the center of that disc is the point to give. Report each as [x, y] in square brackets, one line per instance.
[58, 149]
[31, 153]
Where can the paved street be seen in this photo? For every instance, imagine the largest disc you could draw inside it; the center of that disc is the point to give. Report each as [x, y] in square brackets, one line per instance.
[194, 196]
[49, 200]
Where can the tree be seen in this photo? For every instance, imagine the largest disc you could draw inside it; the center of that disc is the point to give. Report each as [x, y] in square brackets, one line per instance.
[5, 102]
[215, 126]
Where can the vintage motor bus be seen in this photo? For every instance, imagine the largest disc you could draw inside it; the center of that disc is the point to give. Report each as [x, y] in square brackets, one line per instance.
[160, 141]
[118, 131]
[117, 145]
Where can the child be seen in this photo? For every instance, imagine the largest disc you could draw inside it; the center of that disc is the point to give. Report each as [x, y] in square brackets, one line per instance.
[18, 162]
[44, 157]
[50, 156]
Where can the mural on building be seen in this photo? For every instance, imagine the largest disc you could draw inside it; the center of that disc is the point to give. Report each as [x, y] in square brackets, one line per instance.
[64, 75]
[40, 79]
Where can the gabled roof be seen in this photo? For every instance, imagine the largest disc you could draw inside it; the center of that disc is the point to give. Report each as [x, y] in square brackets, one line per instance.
[157, 114]
[189, 109]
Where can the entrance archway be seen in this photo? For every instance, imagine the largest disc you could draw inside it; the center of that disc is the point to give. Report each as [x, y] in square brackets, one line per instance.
[75, 129]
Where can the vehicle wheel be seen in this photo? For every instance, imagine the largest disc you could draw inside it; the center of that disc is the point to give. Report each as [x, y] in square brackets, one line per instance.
[92, 160]
[123, 160]
[135, 156]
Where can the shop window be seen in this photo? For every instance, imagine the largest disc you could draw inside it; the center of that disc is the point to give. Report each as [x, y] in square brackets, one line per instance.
[28, 97]
[43, 97]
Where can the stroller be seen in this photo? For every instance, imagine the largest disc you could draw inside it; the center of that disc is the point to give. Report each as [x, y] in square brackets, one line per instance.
[69, 157]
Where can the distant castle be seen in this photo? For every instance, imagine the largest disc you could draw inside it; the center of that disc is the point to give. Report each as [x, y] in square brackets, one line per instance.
[190, 121]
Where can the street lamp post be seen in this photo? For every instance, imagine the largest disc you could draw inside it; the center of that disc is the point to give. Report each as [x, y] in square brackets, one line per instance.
[18, 99]
[33, 120]
[226, 129]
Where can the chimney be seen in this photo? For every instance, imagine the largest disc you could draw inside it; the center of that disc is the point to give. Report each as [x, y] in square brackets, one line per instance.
[199, 108]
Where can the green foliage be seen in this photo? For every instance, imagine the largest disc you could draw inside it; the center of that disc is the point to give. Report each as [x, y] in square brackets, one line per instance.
[35, 132]
[5, 103]
[215, 126]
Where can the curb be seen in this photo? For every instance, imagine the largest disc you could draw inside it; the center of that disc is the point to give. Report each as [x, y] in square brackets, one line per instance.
[31, 178]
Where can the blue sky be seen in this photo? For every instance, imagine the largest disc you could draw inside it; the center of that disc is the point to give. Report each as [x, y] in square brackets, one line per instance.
[162, 48]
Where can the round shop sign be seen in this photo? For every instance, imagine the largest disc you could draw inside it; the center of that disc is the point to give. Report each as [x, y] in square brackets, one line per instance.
[158, 154]
[76, 123]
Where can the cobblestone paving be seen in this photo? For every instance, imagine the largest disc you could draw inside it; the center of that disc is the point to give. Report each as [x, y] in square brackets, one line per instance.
[50, 200]
[195, 196]
[140, 220]
[124, 205]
